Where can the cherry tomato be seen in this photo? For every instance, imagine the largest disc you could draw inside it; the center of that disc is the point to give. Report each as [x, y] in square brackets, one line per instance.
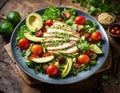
[80, 20]
[112, 31]
[36, 49]
[66, 14]
[96, 36]
[39, 33]
[23, 44]
[48, 22]
[83, 59]
[43, 29]
[117, 32]
[33, 56]
[46, 54]
[52, 70]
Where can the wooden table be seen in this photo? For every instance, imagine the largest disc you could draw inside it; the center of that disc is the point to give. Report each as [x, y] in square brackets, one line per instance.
[12, 82]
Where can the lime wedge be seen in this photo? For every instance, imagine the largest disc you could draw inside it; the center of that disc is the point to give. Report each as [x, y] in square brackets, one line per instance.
[95, 48]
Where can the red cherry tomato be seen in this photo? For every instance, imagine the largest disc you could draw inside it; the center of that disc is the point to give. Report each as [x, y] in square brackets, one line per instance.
[96, 36]
[33, 56]
[48, 22]
[36, 49]
[23, 44]
[83, 59]
[52, 70]
[113, 31]
[117, 32]
[80, 20]
[39, 33]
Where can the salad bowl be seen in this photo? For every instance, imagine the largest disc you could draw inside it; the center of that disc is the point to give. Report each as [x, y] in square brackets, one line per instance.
[20, 60]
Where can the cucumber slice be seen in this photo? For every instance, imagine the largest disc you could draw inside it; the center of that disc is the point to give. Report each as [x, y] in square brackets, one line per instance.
[43, 59]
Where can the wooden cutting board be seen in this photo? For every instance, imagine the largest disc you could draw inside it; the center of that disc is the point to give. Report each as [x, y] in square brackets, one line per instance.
[31, 81]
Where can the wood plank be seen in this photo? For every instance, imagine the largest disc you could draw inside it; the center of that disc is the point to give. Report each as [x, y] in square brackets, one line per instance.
[2, 2]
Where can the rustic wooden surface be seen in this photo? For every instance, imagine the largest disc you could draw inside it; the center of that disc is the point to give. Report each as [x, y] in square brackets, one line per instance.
[12, 82]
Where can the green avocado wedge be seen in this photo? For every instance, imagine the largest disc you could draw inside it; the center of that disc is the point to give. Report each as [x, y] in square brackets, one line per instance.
[33, 38]
[67, 68]
[34, 22]
[43, 59]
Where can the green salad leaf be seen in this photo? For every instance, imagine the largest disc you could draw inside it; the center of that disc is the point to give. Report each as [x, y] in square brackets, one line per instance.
[51, 13]
[23, 29]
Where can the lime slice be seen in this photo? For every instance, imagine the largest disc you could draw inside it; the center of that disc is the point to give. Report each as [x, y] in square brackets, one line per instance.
[95, 48]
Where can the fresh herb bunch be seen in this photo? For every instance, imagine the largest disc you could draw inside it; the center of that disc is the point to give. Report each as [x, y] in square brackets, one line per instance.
[98, 6]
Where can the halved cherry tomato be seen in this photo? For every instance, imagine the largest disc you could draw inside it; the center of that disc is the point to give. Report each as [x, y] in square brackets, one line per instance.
[96, 36]
[33, 56]
[23, 44]
[83, 59]
[66, 14]
[80, 20]
[48, 22]
[52, 70]
[36, 49]
[39, 33]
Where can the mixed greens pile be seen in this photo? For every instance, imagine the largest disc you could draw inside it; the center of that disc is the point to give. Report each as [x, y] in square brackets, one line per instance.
[99, 6]
[65, 45]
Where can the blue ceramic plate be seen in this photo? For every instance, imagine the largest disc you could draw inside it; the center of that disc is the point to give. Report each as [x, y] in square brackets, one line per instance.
[16, 52]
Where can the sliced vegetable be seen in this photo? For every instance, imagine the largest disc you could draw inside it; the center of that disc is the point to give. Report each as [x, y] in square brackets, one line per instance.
[67, 68]
[43, 59]
[34, 22]
[95, 48]
[33, 38]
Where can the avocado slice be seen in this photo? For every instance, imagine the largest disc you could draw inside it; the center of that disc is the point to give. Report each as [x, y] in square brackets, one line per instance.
[67, 68]
[33, 38]
[34, 22]
[43, 59]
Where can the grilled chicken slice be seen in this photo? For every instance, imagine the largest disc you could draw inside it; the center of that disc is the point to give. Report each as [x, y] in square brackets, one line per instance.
[67, 51]
[49, 39]
[70, 50]
[53, 30]
[52, 39]
[62, 46]
[49, 35]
